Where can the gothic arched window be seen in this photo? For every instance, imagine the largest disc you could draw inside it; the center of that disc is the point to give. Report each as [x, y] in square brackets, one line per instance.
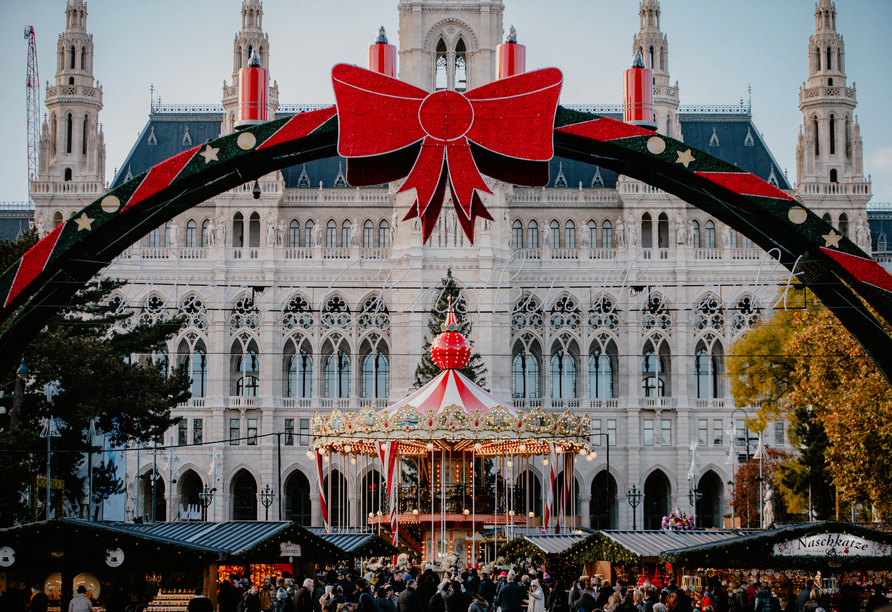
[563, 375]
[570, 235]
[376, 375]
[602, 370]
[709, 234]
[647, 233]
[829, 59]
[331, 234]
[86, 132]
[298, 362]
[345, 233]
[384, 234]
[461, 66]
[655, 368]
[191, 234]
[606, 235]
[832, 135]
[337, 375]
[695, 234]
[73, 52]
[592, 234]
[525, 374]
[533, 235]
[368, 234]
[517, 234]
[205, 225]
[555, 234]
[844, 225]
[308, 234]
[817, 136]
[70, 132]
[83, 58]
[442, 66]
[294, 234]
[245, 365]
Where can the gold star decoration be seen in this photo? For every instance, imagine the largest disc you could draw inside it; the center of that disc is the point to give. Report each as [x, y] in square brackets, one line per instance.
[831, 239]
[83, 222]
[684, 157]
[210, 154]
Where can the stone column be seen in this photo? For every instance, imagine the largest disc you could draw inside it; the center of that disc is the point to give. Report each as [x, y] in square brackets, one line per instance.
[585, 517]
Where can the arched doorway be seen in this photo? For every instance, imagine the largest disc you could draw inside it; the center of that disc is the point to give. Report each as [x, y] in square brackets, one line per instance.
[297, 499]
[602, 509]
[528, 494]
[160, 504]
[190, 487]
[337, 502]
[573, 497]
[710, 508]
[244, 497]
[656, 499]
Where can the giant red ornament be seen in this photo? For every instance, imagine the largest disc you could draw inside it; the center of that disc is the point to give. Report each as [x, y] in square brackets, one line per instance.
[450, 350]
[253, 93]
[388, 130]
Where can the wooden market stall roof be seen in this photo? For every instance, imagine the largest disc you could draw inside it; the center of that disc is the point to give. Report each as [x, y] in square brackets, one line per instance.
[539, 546]
[636, 547]
[361, 544]
[825, 545]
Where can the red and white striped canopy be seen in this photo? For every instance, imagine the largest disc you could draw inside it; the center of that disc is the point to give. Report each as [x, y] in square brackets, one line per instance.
[451, 387]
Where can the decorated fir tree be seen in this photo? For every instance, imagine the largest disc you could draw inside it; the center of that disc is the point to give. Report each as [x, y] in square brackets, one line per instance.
[427, 370]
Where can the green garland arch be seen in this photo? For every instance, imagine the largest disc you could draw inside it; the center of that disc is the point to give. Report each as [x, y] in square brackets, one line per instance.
[833, 267]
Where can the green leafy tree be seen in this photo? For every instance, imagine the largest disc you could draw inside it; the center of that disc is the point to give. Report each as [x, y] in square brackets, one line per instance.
[427, 370]
[105, 374]
[806, 477]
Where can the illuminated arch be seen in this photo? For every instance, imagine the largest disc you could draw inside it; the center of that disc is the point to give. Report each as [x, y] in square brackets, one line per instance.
[836, 270]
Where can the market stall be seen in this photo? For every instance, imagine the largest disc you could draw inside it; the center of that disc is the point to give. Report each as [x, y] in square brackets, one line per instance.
[634, 556]
[545, 550]
[844, 559]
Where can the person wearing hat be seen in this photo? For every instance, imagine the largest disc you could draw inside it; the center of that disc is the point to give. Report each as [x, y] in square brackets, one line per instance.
[282, 603]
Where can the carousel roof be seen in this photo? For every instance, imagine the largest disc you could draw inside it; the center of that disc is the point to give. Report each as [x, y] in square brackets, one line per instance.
[449, 388]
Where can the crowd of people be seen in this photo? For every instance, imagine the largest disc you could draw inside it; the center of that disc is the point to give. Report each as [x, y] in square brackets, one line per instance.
[372, 588]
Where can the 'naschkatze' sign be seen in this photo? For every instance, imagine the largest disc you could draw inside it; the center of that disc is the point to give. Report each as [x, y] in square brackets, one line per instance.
[831, 544]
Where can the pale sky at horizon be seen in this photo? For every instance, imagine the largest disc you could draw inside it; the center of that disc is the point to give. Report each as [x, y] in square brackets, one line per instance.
[716, 49]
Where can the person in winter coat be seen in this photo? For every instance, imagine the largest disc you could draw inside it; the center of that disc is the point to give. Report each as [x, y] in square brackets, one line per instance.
[511, 597]
[200, 603]
[536, 598]
[282, 603]
[80, 602]
[487, 588]
[437, 602]
[763, 600]
[383, 602]
[478, 603]
[408, 600]
[557, 599]
[334, 598]
[456, 600]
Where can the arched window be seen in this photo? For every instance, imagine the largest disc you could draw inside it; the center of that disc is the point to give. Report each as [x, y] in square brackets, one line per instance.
[205, 225]
[73, 53]
[817, 136]
[655, 368]
[827, 218]
[647, 232]
[525, 374]
[68, 174]
[817, 59]
[602, 371]
[294, 234]
[517, 234]
[533, 235]
[244, 367]
[650, 57]
[709, 235]
[570, 235]
[834, 177]
[297, 499]
[844, 225]
[592, 229]
[244, 497]
[830, 82]
[461, 66]
[829, 59]
[254, 230]
[331, 234]
[832, 135]
[166, 235]
[695, 234]
[337, 375]
[606, 235]
[848, 128]
[238, 230]
[83, 58]
[85, 134]
[346, 227]
[191, 234]
[308, 234]
[57, 219]
[196, 362]
[563, 375]
[555, 234]
[368, 235]
[663, 231]
[384, 234]
[662, 59]
[70, 132]
[375, 375]
[442, 75]
[298, 369]
[706, 370]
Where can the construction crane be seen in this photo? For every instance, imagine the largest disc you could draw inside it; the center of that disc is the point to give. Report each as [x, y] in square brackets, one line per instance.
[32, 91]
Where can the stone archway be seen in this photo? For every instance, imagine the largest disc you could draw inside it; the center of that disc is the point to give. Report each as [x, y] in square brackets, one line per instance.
[711, 507]
[603, 506]
[244, 497]
[657, 490]
[297, 499]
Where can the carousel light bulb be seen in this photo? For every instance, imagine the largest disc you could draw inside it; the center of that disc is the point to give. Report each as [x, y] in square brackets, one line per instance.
[559, 450]
[467, 512]
[371, 514]
[310, 454]
[511, 513]
[509, 463]
[589, 458]
[322, 451]
[522, 448]
[593, 454]
[531, 514]
[478, 446]
[379, 513]
[415, 511]
[583, 451]
[326, 459]
[545, 461]
[352, 460]
[348, 448]
[430, 446]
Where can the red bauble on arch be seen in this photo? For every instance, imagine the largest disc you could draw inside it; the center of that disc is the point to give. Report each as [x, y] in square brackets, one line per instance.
[450, 350]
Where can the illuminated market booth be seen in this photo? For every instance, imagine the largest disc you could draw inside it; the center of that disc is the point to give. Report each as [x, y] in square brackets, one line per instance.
[839, 557]
[455, 461]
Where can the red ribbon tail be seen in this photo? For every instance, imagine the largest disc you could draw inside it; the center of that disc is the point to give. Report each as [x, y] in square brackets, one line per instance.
[465, 182]
[428, 179]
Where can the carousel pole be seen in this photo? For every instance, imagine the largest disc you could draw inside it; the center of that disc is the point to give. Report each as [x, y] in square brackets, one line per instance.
[433, 533]
[473, 506]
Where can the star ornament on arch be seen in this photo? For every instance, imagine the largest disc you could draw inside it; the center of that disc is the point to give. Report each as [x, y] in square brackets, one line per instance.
[388, 130]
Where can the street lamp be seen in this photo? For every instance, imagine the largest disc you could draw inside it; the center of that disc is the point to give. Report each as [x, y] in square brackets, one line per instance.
[607, 478]
[49, 432]
[266, 498]
[634, 500]
[694, 495]
[206, 498]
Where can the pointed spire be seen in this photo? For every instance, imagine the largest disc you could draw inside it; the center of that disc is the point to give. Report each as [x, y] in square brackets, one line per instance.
[304, 179]
[749, 142]
[598, 180]
[714, 141]
[560, 180]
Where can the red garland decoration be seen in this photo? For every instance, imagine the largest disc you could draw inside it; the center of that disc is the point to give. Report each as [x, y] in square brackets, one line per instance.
[865, 270]
[33, 262]
[160, 177]
[744, 183]
[389, 129]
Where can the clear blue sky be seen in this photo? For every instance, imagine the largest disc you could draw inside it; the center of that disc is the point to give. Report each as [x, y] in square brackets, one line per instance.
[716, 49]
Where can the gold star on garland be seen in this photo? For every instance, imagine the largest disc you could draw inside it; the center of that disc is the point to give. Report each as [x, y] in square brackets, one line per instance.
[83, 222]
[210, 154]
[831, 239]
[684, 157]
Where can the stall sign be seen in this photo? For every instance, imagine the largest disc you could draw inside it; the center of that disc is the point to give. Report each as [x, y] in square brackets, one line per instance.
[831, 544]
[7, 556]
[289, 549]
[114, 557]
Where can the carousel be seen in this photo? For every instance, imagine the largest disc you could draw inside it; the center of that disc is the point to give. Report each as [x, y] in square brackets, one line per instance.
[460, 469]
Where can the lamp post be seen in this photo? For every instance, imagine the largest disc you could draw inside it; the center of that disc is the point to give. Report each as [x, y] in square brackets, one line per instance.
[49, 432]
[266, 498]
[634, 500]
[18, 394]
[591, 456]
[206, 498]
[694, 495]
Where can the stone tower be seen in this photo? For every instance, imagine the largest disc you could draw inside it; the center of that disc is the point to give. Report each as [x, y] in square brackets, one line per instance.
[829, 148]
[654, 48]
[249, 38]
[449, 44]
[72, 146]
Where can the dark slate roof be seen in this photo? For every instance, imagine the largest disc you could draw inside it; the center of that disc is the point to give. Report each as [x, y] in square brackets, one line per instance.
[14, 221]
[880, 222]
[169, 130]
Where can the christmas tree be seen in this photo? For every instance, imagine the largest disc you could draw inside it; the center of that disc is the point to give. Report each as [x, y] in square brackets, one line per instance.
[427, 370]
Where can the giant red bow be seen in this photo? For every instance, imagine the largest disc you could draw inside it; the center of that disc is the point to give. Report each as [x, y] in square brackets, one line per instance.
[389, 129]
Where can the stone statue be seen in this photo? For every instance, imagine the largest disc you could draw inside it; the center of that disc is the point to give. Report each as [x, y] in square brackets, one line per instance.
[680, 233]
[354, 232]
[509, 231]
[862, 234]
[317, 235]
[394, 222]
[280, 233]
[174, 234]
[692, 234]
[768, 508]
[620, 232]
[270, 232]
[633, 233]
[416, 224]
[221, 232]
[209, 237]
[41, 228]
[451, 223]
[546, 231]
[436, 235]
[584, 237]
[726, 237]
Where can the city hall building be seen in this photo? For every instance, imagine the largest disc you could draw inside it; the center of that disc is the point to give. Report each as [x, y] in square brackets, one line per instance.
[596, 294]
